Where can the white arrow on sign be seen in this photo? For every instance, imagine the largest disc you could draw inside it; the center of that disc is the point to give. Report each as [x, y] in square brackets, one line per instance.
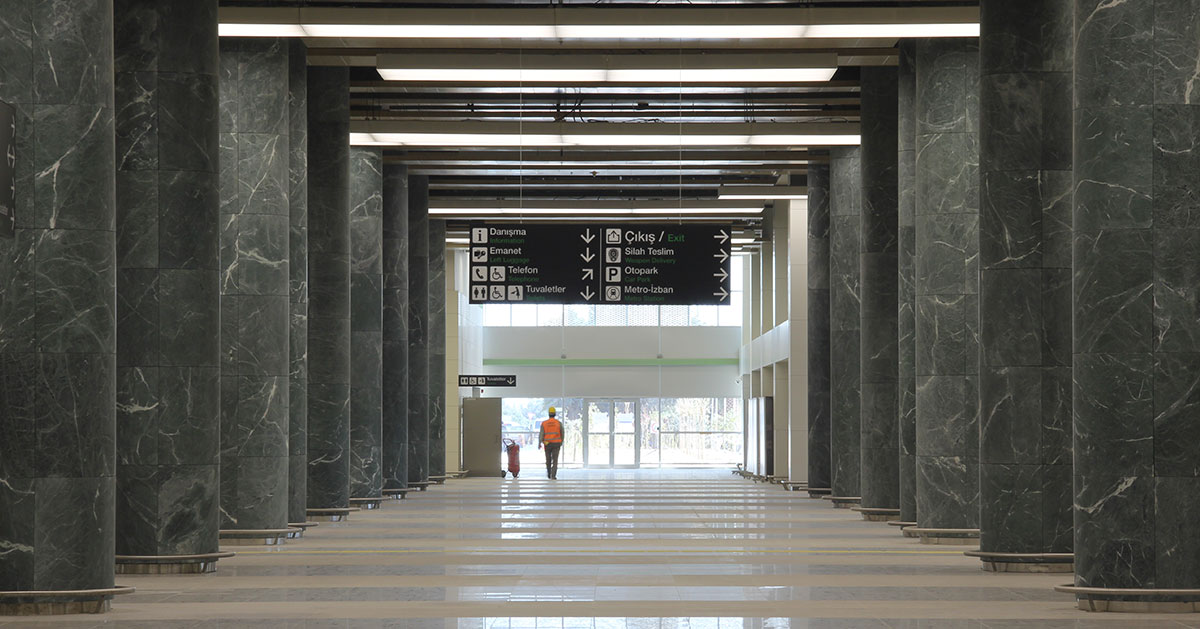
[589, 237]
[587, 293]
[723, 237]
[589, 257]
[512, 381]
[723, 294]
[722, 256]
[589, 274]
[723, 275]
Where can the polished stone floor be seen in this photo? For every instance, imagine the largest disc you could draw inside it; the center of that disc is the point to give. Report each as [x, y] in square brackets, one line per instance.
[599, 549]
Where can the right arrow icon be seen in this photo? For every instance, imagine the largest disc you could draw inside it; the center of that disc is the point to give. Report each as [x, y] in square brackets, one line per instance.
[722, 256]
[722, 236]
[722, 274]
[722, 294]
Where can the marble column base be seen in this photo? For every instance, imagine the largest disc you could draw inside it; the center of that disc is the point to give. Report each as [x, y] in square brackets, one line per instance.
[1133, 600]
[1024, 562]
[795, 485]
[871, 514]
[59, 602]
[296, 531]
[819, 493]
[398, 494]
[948, 537]
[438, 480]
[367, 504]
[843, 502]
[169, 564]
[420, 485]
[255, 537]
[903, 524]
[329, 515]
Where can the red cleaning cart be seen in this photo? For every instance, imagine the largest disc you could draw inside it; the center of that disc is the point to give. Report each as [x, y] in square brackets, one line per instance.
[514, 457]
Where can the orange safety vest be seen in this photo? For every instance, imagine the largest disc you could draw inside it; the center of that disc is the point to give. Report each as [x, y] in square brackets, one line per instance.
[552, 431]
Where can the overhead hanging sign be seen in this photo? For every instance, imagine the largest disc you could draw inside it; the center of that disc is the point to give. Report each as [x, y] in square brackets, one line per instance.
[642, 263]
[8, 169]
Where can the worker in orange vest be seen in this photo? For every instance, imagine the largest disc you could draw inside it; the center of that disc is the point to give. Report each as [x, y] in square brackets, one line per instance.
[551, 436]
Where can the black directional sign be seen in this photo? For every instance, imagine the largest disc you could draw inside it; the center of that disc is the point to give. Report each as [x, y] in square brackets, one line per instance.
[8, 169]
[487, 381]
[643, 263]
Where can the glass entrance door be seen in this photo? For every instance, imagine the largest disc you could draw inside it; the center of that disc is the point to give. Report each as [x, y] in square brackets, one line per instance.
[613, 431]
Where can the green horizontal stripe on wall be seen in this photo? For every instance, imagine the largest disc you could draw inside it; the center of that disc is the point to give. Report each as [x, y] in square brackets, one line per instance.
[609, 362]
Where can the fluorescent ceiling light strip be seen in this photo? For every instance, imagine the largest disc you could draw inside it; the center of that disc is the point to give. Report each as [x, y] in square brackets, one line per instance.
[577, 139]
[763, 196]
[600, 31]
[542, 211]
[599, 75]
[738, 193]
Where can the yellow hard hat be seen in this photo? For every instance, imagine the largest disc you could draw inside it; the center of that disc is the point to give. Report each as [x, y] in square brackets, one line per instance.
[551, 410]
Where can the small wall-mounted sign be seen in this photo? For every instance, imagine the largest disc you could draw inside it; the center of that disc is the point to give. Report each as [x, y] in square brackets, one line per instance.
[487, 381]
[8, 169]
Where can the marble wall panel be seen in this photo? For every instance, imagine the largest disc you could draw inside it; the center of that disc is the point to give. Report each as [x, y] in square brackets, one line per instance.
[437, 347]
[58, 275]
[879, 359]
[1134, 287]
[254, 283]
[845, 238]
[366, 322]
[298, 281]
[906, 188]
[819, 401]
[395, 326]
[329, 288]
[418, 328]
[946, 283]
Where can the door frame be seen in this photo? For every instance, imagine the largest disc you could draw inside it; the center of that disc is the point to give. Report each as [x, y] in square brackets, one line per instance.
[611, 402]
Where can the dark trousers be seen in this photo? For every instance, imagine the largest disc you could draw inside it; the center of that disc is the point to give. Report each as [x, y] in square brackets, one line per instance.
[552, 450]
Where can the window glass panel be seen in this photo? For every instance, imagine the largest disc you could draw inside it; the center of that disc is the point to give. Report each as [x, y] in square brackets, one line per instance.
[496, 315]
[571, 415]
[525, 414]
[648, 410]
[524, 315]
[580, 315]
[674, 316]
[550, 315]
[735, 274]
[610, 315]
[731, 315]
[643, 315]
[702, 315]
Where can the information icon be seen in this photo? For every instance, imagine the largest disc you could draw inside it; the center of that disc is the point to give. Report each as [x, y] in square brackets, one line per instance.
[479, 235]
